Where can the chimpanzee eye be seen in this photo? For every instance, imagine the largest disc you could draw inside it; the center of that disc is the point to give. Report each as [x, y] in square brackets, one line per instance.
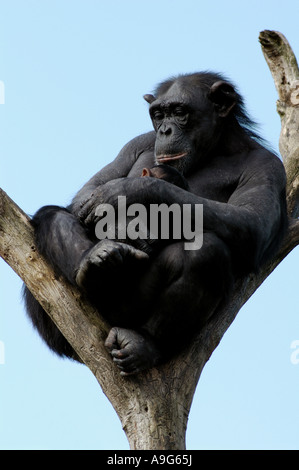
[181, 114]
[179, 111]
[158, 115]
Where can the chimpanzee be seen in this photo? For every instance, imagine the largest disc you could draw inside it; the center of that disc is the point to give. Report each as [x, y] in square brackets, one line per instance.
[156, 303]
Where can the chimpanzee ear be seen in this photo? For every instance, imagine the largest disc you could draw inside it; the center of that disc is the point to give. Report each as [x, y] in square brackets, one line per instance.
[149, 98]
[146, 172]
[224, 97]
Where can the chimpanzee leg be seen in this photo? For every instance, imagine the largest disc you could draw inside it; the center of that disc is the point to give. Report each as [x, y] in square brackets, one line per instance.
[62, 240]
[46, 327]
[68, 247]
[199, 280]
[88, 263]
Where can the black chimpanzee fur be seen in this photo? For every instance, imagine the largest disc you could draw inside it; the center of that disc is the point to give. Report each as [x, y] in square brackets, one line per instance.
[156, 302]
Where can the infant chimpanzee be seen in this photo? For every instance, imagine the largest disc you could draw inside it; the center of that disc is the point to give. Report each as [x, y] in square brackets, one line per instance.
[166, 173]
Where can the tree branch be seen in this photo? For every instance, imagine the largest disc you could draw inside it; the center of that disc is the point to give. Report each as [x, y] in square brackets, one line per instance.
[154, 406]
[284, 69]
[61, 301]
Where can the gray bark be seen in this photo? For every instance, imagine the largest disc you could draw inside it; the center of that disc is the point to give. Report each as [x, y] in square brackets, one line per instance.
[154, 406]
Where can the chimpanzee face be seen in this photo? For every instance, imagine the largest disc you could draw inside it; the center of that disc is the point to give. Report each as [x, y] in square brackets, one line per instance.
[186, 119]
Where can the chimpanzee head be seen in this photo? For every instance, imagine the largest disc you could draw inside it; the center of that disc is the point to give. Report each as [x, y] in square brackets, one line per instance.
[189, 115]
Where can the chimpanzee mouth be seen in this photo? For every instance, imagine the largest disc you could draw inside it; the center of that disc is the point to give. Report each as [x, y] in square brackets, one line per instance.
[167, 158]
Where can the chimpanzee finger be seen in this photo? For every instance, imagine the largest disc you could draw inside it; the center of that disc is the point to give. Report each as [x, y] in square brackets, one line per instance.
[125, 363]
[111, 340]
[85, 208]
[120, 354]
[110, 257]
[89, 219]
[130, 251]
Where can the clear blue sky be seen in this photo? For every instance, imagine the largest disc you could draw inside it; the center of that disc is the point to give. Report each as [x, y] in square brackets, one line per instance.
[74, 74]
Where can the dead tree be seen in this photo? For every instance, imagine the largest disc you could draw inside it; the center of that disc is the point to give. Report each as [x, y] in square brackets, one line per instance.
[153, 407]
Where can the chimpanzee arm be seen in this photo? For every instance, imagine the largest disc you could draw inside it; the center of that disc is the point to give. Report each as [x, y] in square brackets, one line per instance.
[249, 223]
[120, 167]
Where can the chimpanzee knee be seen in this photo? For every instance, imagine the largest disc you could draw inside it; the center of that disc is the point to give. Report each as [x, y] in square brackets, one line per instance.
[194, 283]
[61, 239]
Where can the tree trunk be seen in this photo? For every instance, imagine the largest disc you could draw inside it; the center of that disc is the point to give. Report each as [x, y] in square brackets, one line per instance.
[154, 406]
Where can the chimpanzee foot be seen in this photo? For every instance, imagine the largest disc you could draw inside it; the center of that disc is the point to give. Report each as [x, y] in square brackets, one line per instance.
[131, 351]
[105, 256]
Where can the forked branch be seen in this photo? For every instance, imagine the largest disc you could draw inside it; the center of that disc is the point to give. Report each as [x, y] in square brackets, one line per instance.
[154, 406]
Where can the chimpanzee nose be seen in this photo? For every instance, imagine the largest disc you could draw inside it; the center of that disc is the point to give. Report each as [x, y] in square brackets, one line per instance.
[165, 129]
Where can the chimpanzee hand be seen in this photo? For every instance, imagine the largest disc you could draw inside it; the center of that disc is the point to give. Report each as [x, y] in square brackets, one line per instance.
[134, 189]
[104, 257]
[104, 194]
[131, 351]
